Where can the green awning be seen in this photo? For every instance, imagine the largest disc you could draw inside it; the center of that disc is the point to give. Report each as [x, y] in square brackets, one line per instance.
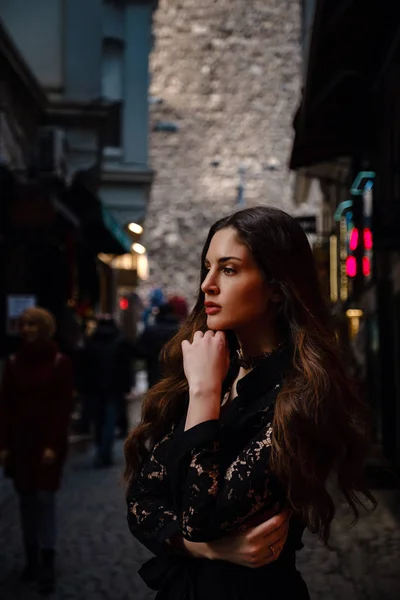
[100, 228]
[115, 229]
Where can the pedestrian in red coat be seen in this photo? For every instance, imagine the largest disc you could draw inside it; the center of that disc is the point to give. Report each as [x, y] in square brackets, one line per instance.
[35, 409]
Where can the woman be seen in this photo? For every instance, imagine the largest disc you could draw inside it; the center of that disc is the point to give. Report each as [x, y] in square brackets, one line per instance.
[255, 414]
[35, 407]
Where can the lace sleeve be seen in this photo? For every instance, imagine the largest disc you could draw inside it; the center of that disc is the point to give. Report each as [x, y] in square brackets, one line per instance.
[214, 503]
[151, 517]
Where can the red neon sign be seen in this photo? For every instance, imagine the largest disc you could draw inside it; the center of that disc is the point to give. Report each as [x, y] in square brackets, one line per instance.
[351, 266]
[353, 239]
[367, 239]
[366, 266]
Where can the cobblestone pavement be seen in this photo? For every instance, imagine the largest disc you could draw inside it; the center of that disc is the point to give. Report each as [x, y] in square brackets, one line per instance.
[363, 562]
[98, 559]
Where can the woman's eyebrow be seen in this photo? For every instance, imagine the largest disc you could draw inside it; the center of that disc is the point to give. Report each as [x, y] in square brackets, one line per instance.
[225, 259]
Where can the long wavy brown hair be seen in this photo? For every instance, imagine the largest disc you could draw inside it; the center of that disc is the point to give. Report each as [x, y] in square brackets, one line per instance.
[321, 426]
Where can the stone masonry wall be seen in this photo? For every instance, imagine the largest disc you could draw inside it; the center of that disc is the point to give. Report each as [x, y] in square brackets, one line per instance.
[227, 73]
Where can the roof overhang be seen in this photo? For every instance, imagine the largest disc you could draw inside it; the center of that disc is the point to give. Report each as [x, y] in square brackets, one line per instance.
[13, 64]
[90, 115]
[335, 172]
[350, 46]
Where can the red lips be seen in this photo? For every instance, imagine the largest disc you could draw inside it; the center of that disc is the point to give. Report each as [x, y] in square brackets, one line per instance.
[212, 308]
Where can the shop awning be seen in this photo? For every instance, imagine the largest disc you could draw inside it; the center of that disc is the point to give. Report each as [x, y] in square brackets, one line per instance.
[350, 45]
[116, 231]
[99, 227]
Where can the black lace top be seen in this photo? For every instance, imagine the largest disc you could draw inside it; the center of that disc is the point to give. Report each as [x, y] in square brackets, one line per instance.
[212, 480]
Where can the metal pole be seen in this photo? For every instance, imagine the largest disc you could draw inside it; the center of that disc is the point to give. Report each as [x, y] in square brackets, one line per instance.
[241, 200]
[358, 220]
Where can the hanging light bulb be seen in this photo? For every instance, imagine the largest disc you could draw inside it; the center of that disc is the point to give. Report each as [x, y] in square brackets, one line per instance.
[138, 248]
[135, 228]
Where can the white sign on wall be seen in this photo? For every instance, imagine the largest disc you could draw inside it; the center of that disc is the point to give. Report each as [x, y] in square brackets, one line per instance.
[16, 305]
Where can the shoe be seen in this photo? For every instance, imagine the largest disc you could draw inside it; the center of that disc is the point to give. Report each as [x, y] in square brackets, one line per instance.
[47, 578]
[30, 572]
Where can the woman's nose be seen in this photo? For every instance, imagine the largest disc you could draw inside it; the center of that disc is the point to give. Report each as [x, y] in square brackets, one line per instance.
[209, 285]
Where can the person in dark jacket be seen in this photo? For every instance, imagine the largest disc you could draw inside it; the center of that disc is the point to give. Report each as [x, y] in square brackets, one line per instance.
[154, 338]
[35, 408]
[105, 367]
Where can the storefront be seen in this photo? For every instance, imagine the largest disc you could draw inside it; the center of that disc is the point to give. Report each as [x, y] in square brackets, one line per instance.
[350, 112]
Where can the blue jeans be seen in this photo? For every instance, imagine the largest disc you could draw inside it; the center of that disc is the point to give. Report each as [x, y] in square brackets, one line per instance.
[38, 519]
[105, 415]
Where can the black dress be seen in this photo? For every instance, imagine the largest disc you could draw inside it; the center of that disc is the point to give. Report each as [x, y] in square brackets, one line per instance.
[208, 482]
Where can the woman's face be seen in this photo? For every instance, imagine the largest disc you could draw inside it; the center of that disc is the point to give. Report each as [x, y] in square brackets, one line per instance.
[236, 294]
[29, 330]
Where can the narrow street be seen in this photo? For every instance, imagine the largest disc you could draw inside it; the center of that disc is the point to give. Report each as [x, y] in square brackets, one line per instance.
[175, 167]
[98, 559]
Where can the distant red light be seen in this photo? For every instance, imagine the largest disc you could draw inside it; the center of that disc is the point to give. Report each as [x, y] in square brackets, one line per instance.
[351, 266]
[124, 303]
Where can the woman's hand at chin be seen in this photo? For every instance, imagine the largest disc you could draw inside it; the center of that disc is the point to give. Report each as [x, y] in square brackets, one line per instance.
[206, 363]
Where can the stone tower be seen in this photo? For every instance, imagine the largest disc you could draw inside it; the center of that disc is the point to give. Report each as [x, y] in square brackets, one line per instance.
[225, 78]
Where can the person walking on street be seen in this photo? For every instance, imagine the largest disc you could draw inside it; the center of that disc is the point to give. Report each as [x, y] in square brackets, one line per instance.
[35, 408]
[156, 299]
[254, 416]
[154, 338]
[106, 375]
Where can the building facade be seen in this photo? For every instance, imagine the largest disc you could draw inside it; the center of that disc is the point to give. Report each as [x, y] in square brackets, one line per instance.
[225, 80]
[92, 60]
[36, 227]
[347, 136]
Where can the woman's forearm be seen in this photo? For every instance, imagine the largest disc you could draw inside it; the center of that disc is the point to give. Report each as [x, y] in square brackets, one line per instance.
[199, 549]
[250, 548]
[203, 550]
[204, 405]
[220, 549]
[195, 549]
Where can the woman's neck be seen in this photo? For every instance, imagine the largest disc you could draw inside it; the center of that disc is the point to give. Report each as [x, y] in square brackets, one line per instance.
[254, 343]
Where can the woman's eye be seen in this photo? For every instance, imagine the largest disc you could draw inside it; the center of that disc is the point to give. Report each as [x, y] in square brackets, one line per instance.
[229, 271]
